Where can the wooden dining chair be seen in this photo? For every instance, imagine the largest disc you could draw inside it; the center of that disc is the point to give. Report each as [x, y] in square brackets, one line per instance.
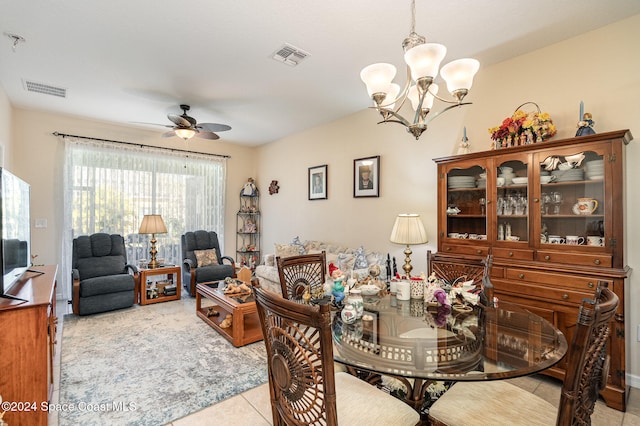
[303, 386]
[455, 270]
[501, 403]
[298, 272]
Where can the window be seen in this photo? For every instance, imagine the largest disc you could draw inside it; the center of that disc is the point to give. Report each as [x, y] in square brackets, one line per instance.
[110, 187]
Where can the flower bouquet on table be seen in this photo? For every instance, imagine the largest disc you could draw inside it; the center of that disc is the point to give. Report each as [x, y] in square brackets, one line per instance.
[523, 128]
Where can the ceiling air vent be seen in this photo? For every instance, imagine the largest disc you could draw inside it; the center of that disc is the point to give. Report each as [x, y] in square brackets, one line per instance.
[45, 89]
[290, 55]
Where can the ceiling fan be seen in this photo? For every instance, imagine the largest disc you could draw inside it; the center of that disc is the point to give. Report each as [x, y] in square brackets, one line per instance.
[186, 127]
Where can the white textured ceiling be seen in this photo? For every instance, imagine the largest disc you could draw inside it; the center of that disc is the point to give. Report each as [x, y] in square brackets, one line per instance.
[125, 61]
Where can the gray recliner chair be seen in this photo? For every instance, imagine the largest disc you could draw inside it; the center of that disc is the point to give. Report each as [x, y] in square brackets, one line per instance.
[194, 272]
[102, 279]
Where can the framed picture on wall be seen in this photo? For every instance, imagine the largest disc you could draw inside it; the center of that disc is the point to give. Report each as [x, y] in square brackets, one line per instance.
[366, 177]
[318, 182]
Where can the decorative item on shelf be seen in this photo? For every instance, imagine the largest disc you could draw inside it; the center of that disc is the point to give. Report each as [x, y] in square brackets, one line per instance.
[409, 230]
[586, 123]
[465, 146]
[523, 128]
[273, 187]
[423, 61]
[355, 299]
[152, 224]
[338, 283]
[249, 189]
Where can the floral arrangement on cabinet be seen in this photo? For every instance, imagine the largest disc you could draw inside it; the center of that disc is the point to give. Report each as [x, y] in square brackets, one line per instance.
[523, 128]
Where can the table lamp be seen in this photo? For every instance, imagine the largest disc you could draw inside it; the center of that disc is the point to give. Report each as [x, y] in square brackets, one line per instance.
[408, 229]
[152, 224]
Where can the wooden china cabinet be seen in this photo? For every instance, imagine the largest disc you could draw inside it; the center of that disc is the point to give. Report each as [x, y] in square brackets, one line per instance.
[552, 216]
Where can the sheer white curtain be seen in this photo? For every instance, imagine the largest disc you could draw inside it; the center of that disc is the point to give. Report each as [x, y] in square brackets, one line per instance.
[109, 187]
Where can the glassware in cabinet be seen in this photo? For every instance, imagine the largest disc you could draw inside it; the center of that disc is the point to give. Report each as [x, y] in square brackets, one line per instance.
[466, 203]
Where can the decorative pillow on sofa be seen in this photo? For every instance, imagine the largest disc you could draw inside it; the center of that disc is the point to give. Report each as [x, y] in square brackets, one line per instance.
[360, 258]
[346, 262]
[287, 250]
[296, 242]
[206, 257]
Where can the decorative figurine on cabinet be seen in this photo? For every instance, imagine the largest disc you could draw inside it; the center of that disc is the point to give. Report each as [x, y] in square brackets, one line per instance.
[586, 123]
[249, 189]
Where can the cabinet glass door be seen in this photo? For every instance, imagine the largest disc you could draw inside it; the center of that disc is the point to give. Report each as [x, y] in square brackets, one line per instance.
[466, 203]
[572, 210]
[512, 203]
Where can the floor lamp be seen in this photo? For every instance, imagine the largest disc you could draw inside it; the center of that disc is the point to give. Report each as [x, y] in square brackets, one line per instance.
[152, 224]
[408, 229]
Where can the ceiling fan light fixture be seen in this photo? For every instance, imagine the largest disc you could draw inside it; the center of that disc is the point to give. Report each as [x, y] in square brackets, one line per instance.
[185, 134]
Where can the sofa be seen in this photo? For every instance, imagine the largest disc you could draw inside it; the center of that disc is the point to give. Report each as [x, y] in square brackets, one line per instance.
[351, 261]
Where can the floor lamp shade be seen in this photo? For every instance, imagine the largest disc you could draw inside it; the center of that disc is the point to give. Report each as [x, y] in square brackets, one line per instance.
[409, 230]
[152, 224]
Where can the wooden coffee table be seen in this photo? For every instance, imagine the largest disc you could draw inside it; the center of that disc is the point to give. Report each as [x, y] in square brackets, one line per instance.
[245, 327]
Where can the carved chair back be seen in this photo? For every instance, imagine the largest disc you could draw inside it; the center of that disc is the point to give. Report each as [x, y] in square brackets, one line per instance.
[587, 362]
[298, 272]
[300, 360]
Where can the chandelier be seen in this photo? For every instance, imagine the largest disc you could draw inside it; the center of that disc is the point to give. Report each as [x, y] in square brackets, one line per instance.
[423, 61]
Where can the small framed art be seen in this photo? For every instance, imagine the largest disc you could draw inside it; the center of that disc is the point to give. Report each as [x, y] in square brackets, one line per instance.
[366, 177]
[318, 182]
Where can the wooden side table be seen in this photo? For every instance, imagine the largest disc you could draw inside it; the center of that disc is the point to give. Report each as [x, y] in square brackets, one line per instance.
[172, 279]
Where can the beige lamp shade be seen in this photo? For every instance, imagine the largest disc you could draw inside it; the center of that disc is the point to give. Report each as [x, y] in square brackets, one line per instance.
[152, 224]
[408, 229]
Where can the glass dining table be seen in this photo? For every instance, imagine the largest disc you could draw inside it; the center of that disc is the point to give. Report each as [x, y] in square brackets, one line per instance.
[419, 343]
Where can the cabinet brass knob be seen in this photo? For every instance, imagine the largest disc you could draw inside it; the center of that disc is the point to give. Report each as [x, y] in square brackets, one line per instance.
[521, 276]
[510, 254]
[565, 296]
[590, 285]
[448, 248]
[547, 257]
[535, 200]
[488, 201]
[479, 251]
[597, 261]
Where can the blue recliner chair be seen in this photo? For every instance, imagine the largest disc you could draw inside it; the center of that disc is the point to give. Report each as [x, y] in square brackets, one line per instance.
[102, 279]
[193, 271]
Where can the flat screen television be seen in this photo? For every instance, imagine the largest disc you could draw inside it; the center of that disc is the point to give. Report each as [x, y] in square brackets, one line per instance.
[15, 249]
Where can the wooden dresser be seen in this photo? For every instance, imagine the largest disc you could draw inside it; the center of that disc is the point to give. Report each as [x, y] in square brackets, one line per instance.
[552, 216]
[27, 347]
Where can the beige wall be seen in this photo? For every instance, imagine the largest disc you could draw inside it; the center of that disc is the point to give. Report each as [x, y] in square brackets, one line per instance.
[600, 68]
[5, 130]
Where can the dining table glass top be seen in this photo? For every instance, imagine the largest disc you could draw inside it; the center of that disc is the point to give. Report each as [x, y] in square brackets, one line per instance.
[426, 341]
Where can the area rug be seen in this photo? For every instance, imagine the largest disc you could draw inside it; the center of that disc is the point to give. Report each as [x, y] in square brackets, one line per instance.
[149, 365]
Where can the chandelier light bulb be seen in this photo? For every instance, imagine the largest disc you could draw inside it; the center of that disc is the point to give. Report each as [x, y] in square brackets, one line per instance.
[378, 77]
[424, 60]
[459, 74]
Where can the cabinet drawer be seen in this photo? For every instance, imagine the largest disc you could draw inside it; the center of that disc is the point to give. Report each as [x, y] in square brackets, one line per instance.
[567, 281]
[597, 260]
[460, 249]
[513, 253]
[548, 294]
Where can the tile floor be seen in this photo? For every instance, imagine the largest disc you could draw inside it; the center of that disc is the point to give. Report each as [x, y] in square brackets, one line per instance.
[253, 407]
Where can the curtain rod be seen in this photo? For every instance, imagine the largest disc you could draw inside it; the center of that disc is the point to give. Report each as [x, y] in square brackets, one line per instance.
[140, 145]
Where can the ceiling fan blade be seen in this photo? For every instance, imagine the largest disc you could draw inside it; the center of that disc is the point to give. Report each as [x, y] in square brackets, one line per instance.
[207, 135]
[213, 127]
[169, 134]
[151, 124]
[179, 120]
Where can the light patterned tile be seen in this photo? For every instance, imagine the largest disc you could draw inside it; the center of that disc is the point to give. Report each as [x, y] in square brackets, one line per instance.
[259, 398]
[633, 404]
[235, 411]
[605, 416]
[631, 420]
